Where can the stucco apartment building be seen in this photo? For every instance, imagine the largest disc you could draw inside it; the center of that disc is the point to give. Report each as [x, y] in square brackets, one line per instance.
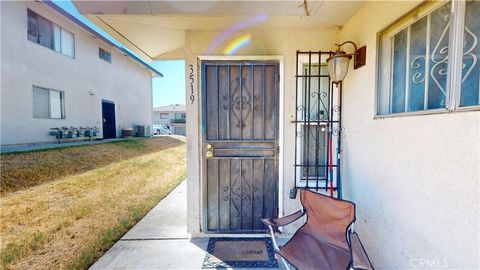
[174, 116]
[58, 72]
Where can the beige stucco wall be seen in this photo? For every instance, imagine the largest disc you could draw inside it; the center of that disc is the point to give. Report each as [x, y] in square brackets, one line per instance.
[25, 63]
[269, 42]
[415, 179]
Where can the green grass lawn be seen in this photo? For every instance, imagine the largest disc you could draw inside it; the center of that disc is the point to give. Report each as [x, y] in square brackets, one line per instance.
[72, 204]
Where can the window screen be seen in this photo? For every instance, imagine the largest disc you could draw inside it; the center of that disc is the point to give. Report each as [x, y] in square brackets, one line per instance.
[55, 104]
[68, 43]
[40, 103]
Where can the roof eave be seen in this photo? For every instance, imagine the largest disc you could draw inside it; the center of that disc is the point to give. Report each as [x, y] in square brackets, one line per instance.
[51, 4]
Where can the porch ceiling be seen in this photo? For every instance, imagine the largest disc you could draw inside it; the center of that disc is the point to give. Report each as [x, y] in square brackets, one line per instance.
[154, 28]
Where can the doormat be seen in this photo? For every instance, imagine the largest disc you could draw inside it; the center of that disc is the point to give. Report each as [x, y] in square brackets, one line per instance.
[224, 252]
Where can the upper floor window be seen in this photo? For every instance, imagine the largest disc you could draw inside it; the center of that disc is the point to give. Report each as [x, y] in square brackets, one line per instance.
[429, 59]
[50, 35]
[103, 54]
[180, 115]
[48, 103]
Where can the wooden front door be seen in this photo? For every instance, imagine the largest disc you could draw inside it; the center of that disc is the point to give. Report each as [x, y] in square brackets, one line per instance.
[240, 117]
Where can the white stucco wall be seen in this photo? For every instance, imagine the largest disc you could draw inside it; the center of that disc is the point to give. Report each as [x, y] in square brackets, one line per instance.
[415, 179]
[269, 42]
[25, 63]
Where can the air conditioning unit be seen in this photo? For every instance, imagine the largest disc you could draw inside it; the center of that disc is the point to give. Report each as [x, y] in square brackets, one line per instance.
[142, 131]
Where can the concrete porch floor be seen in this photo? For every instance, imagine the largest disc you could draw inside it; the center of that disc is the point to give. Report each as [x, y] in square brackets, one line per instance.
[160, 240]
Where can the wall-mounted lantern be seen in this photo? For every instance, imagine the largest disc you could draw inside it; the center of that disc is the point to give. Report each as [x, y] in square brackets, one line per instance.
[338, 63]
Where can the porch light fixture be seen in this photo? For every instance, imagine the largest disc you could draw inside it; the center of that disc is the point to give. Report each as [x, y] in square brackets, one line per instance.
[338, 63]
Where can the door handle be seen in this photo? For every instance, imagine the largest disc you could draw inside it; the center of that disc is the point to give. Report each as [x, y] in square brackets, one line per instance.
[209, 154]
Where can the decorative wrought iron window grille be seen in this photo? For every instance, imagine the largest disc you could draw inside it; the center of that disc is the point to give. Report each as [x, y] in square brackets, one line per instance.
[317, 125]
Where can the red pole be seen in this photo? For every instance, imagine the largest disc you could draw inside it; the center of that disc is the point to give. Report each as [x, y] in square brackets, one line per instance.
[331, 165]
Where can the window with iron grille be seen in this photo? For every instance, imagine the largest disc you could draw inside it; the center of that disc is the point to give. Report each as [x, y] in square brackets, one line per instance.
[48, 103]
[429, 60]
[50, 35]
[317, 125]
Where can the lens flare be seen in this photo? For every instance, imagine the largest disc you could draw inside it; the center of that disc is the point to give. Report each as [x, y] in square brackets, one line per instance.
[220, 39]
[238, 43]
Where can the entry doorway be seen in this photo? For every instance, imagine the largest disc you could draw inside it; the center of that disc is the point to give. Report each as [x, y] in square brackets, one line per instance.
[108, 119]
[240, 147]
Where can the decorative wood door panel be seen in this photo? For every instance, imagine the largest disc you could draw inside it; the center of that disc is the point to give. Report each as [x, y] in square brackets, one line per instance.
[240, 144]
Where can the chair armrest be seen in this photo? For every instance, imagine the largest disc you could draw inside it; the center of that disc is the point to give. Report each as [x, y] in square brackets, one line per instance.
[360, 258]
[280, 222]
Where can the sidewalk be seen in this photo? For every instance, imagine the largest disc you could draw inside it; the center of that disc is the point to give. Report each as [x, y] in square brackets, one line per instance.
[160, 240]
[41, 146]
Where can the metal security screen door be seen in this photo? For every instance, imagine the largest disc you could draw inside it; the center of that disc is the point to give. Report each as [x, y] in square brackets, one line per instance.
[240, 117]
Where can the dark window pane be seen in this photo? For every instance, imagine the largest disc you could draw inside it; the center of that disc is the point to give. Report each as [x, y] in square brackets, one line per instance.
[313, 151]
[471, 52]
[418, 45]
[318, 98]
[314, 107]
[103, 54]
[439, 36]
[32, 31]
[399, 71]
[45, 32]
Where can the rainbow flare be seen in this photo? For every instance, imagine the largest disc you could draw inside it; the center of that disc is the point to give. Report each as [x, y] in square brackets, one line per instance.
[250, 21]
[238, 43]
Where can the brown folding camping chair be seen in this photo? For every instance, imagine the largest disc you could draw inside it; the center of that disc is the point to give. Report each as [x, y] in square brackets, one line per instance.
[326, 240]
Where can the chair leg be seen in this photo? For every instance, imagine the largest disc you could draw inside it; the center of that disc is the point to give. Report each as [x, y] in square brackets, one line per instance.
[275, 246]
[285, 263]
[272, 233]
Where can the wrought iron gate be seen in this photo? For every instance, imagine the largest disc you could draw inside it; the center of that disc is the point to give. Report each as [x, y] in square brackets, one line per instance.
[317, 125]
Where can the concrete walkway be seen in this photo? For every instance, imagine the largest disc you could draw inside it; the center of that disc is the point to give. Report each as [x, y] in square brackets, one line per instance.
[41, 146]
[160, 240]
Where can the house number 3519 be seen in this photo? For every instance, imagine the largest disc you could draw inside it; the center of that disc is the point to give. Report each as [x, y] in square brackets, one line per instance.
[192, 80]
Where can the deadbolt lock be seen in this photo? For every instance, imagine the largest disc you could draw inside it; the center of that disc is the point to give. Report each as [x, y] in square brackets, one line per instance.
[209, 147]
[209, 154]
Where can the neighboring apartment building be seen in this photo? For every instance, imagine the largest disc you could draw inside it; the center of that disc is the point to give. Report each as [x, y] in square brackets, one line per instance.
[172, 116]
[58, 72]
